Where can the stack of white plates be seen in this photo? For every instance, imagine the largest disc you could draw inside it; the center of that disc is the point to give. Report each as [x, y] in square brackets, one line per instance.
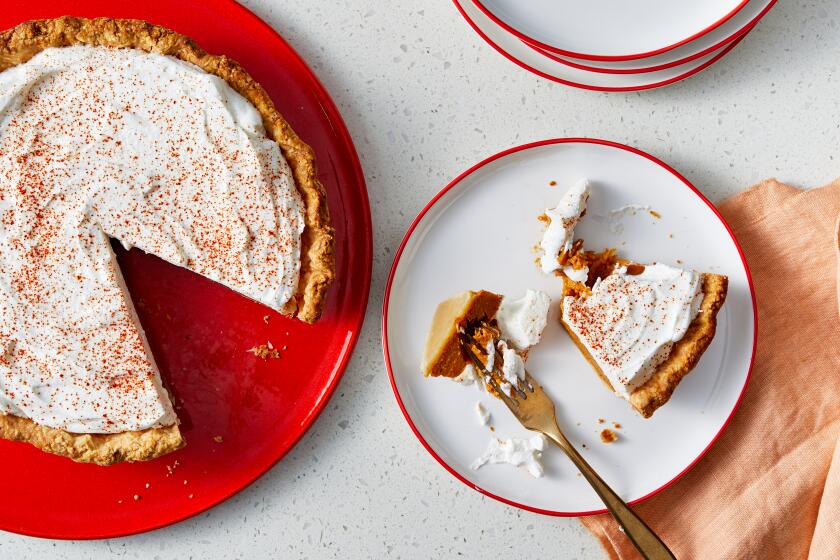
[613, 46]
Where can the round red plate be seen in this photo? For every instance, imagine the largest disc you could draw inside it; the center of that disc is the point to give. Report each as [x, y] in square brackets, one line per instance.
[200, 332]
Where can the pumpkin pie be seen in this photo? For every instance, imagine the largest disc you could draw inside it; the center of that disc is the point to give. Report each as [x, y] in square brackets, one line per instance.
[125, 130]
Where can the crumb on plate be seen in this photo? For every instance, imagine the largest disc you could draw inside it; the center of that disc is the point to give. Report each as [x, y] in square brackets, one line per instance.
[608, 436]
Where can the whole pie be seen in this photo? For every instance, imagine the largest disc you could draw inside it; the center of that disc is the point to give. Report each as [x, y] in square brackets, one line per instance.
[119, 129]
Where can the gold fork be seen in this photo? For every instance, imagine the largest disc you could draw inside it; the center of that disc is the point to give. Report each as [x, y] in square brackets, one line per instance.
[535, 410]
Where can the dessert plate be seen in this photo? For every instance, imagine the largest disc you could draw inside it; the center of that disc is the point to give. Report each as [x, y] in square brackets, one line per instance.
[240, 414]
[478, 233]
[515, 50]
[736, 27]
[609, 30]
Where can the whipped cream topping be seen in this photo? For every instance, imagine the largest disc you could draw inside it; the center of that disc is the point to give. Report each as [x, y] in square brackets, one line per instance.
[615, 217]
[576, 274]
[513, 366]
[490, 352]
[467, 376]
[482, 413]
[629, 323]
[560, 232]
[152, 151]
[521, 321]
[525, 453]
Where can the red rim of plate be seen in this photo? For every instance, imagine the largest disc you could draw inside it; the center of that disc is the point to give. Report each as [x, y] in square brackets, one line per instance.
[542, 74]
[340, 128]
[454, 183]
[606, 58]
[734, 37]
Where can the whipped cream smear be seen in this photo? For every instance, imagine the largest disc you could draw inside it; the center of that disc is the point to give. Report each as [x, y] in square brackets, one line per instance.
[629, 323]
[152, 151]
[522, 321]
[519, 452]
[560, 232]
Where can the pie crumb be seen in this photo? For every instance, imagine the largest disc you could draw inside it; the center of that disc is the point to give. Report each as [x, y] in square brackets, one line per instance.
[218, 439]
[601, 420]
[552, 183]
[655, 214]
[616, 425]
[136, 497]
[266, 318]
[265, 351]
[608, 436]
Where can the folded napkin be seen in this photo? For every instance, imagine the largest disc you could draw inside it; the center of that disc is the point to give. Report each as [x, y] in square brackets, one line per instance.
[770, 486]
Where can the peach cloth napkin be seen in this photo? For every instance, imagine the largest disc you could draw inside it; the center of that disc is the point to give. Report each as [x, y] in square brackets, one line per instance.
[770, 486]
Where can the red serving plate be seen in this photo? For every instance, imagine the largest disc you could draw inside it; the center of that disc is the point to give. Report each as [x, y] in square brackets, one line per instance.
[199, 331]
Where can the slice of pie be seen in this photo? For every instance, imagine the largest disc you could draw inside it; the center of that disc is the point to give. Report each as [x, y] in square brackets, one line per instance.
[489, 324]
[126, 130]
[642, 328]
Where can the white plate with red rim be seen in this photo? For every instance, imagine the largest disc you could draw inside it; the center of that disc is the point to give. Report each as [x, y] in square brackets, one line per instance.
[606, 29]
[524, 55]
[479, 233]
[736, 27]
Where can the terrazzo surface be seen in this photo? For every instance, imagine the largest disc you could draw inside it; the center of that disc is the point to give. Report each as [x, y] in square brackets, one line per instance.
[424, 98]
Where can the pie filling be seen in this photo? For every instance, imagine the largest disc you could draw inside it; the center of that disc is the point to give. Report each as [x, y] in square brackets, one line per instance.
[99, 143]
[627, 318]
[631, 318]
[484, 326]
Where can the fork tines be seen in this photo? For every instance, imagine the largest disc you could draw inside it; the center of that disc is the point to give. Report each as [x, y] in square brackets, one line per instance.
[472, 346]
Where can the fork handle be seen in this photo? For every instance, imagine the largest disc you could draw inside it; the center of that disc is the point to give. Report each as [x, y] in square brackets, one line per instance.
[643, 538]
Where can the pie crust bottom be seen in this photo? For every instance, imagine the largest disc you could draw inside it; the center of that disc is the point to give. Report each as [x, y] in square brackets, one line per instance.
[101, 449]
[685, 353]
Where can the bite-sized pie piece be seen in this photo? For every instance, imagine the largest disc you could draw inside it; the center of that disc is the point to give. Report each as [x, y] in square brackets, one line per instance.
[122, 129]
[443, 356]
[490, 325]
[641, 327]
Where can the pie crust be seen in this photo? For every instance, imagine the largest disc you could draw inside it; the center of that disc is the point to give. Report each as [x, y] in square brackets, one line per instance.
[684, 354]
[317, 269]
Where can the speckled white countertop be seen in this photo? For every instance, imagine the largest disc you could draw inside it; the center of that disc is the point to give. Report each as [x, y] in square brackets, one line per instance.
[424, 98]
